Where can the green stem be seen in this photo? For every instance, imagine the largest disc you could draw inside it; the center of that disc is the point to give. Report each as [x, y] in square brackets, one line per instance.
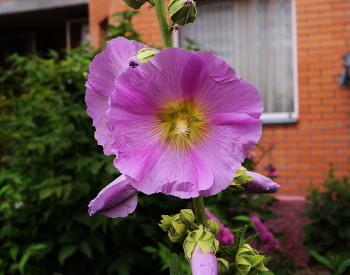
[199, 211]
[163, 23]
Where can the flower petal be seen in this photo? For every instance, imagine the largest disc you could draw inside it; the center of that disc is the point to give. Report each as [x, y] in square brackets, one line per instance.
[103, 70]
[261, 184]
[232, 136]
[218, 86]
[118, 199]
[203, 264]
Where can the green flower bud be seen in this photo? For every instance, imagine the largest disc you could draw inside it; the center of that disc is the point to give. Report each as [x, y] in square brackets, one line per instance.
[241, 177]
[248, 260]
[213, 226]
[187, 216]
[206, 241]
[135, 4]
[175, 228]
[223, 266]
[182, 12]
[145, 54]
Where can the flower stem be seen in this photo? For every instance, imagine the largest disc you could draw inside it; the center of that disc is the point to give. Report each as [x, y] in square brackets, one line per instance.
[198, 205]
[163, 23]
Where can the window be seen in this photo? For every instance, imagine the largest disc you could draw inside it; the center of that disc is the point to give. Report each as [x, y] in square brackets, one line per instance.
[256, 37]
[77, 32]
[21, 43]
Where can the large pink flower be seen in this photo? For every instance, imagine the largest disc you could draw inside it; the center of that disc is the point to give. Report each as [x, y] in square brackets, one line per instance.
[105, 67]
[182, 123]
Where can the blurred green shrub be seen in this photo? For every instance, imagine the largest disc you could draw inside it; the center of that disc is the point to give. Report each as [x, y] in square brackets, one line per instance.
[328, 235]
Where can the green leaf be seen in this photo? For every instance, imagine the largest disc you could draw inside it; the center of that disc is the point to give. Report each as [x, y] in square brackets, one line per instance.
[239, 238]
[65, 252]
[175, 265]
[251, 238]
[85, 249]
[227, 251]
[14, 252]
[321, 259]
[342, 267]
[243, 218]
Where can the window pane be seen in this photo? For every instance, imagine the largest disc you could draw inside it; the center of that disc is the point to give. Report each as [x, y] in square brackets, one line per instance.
[254, 37]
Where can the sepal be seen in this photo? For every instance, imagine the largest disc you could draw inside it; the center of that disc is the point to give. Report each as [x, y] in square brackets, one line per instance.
[182, 12]
[135, 4]
[206, 241]
[223, 266]
[187, 216]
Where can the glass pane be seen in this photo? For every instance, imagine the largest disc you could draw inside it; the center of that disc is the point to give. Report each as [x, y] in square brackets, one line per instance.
[255, 38]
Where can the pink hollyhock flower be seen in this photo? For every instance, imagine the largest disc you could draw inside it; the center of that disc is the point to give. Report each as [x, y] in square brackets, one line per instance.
[118, 199]
[260, 184]
[203, 264]
[105, 67]
[181, 123]
[271, 170]
[225, 237]
[267, 238]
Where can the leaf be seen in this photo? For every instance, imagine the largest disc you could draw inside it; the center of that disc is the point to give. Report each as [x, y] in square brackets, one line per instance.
[14, 252]
[239, 238]
[85, 249]
[65, 252]
[342, 267]
[251, 238]
[243, 218]
[227, 251]
[321, 259]
[175, 265]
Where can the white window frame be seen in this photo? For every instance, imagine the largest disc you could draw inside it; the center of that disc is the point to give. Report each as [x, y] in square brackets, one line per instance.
[277, 117]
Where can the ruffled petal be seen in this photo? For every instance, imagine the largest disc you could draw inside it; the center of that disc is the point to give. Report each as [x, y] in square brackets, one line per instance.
[232, 136]
[118, 199]
[105, 67]
[261, 184]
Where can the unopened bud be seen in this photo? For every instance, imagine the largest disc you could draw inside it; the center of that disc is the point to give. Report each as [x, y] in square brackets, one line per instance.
[145, 54]
[223, 266]
[206, 241]
[182, 12]
[213, 226]
[177, 231]
[187, 216]
[135, 4]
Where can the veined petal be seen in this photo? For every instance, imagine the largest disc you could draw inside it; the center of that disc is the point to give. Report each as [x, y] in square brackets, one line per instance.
[218, 86]
[118, 199]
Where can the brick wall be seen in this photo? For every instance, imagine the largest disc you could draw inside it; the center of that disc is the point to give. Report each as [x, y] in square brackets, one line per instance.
[302, 152]
[144, 23]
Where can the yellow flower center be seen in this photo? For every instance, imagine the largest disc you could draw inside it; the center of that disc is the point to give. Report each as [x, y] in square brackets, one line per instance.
[183, 124]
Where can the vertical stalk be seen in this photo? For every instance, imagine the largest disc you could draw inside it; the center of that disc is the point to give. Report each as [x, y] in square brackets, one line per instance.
[198, 205]
[163, 23]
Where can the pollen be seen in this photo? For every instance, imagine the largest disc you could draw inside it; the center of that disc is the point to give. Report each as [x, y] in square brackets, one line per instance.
[181, 127]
